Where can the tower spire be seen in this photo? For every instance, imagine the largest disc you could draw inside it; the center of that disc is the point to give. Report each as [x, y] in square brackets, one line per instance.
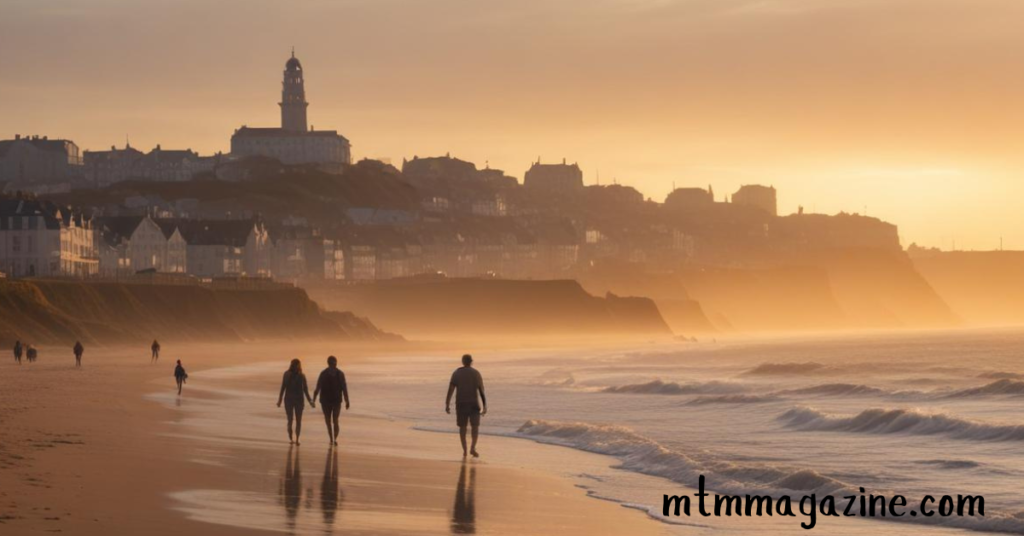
[293, 97]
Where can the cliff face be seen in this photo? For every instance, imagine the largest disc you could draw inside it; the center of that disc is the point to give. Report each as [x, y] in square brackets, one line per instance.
[882, 289]
[489, 307]
[827, 289]
[983, 287]
[59, 312]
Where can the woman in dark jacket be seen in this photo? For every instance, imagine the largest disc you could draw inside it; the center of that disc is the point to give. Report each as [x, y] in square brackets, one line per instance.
[294, 393]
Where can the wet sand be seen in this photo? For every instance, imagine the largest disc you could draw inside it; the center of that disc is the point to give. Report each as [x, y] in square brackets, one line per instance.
[109, 449]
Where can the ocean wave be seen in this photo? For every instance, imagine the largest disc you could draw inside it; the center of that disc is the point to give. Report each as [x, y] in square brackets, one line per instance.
[639, 454]
[643, 455]
[556, 378]
[732, 399]
[659, 387]
[787, 369]
[950, 464]
[999, 387]
[900, 421]
[837, 389]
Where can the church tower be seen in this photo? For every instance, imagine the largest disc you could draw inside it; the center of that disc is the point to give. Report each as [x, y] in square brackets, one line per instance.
[293, 97]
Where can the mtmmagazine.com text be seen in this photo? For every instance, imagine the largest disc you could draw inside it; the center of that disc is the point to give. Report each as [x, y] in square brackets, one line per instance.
[811, 506]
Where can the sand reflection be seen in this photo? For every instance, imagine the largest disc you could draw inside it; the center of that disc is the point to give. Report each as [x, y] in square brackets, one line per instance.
[464, 510]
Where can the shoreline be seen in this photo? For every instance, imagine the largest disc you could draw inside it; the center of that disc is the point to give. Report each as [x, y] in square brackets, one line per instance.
[89, 451]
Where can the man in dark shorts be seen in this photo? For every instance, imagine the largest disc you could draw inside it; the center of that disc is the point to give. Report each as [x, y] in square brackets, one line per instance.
[467, 381]
[333, 391]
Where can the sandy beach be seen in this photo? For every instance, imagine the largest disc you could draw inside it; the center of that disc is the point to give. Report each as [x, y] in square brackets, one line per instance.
[111, 449]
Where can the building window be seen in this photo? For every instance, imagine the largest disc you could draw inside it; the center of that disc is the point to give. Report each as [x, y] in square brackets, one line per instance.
[16, 244]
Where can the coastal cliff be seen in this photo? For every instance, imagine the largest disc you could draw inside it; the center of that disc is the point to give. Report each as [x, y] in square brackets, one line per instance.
[826, 289]
[60, 312]
[428, 307]
[986, 288]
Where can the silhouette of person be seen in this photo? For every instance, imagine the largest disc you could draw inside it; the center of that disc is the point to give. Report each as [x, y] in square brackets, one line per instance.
[31, 353]
[464, 510]
[79, 350]
[18, 349]
[291, 487]
[333, 390]
[331, 495]
[467, 381]
[294, 393]
[156, 351]
[180, 376]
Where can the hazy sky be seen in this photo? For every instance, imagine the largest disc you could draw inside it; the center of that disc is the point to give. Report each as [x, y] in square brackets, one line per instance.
[913, 109]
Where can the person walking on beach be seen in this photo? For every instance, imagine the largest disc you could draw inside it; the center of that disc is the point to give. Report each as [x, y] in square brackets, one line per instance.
[156, 351]
[79, 350]
[180, 376]
[333, 390]
[31, 353]
[467, 381]
[17, 351]
[294, 393]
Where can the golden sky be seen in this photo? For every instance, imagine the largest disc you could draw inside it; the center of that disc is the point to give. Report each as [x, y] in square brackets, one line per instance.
[910, 109]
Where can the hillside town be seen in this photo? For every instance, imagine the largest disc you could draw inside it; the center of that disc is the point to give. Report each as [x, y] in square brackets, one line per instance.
[287, 203]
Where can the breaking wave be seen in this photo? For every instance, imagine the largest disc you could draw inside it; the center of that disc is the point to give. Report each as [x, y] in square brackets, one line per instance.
[556, 378]
[900, 421]
[787, 369]
[950, 464]
[732, 399]
[658, 387]
[643, 455]
[837, 389]
[999, 387]
[646, 456]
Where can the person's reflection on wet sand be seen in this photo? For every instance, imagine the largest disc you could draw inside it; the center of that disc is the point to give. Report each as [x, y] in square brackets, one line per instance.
[331, 495]
[291, 487]
[464, 512]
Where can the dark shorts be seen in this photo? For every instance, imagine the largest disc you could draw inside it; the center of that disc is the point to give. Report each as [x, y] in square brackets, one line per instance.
[467, 413]
[331, 409]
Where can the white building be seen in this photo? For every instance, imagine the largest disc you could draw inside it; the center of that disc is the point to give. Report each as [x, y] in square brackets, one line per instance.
[130, 244]
[40, 239]
[294, 143]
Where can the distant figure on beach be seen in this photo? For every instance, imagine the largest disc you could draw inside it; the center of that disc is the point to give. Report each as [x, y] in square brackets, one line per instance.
[180, 376]
[467, 381]
[333, 390]
[79, 350]
[294, 393]
[31, 354]
[18, 349]
[156, 351]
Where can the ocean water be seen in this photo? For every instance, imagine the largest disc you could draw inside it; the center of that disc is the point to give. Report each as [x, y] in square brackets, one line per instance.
[914, 414]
